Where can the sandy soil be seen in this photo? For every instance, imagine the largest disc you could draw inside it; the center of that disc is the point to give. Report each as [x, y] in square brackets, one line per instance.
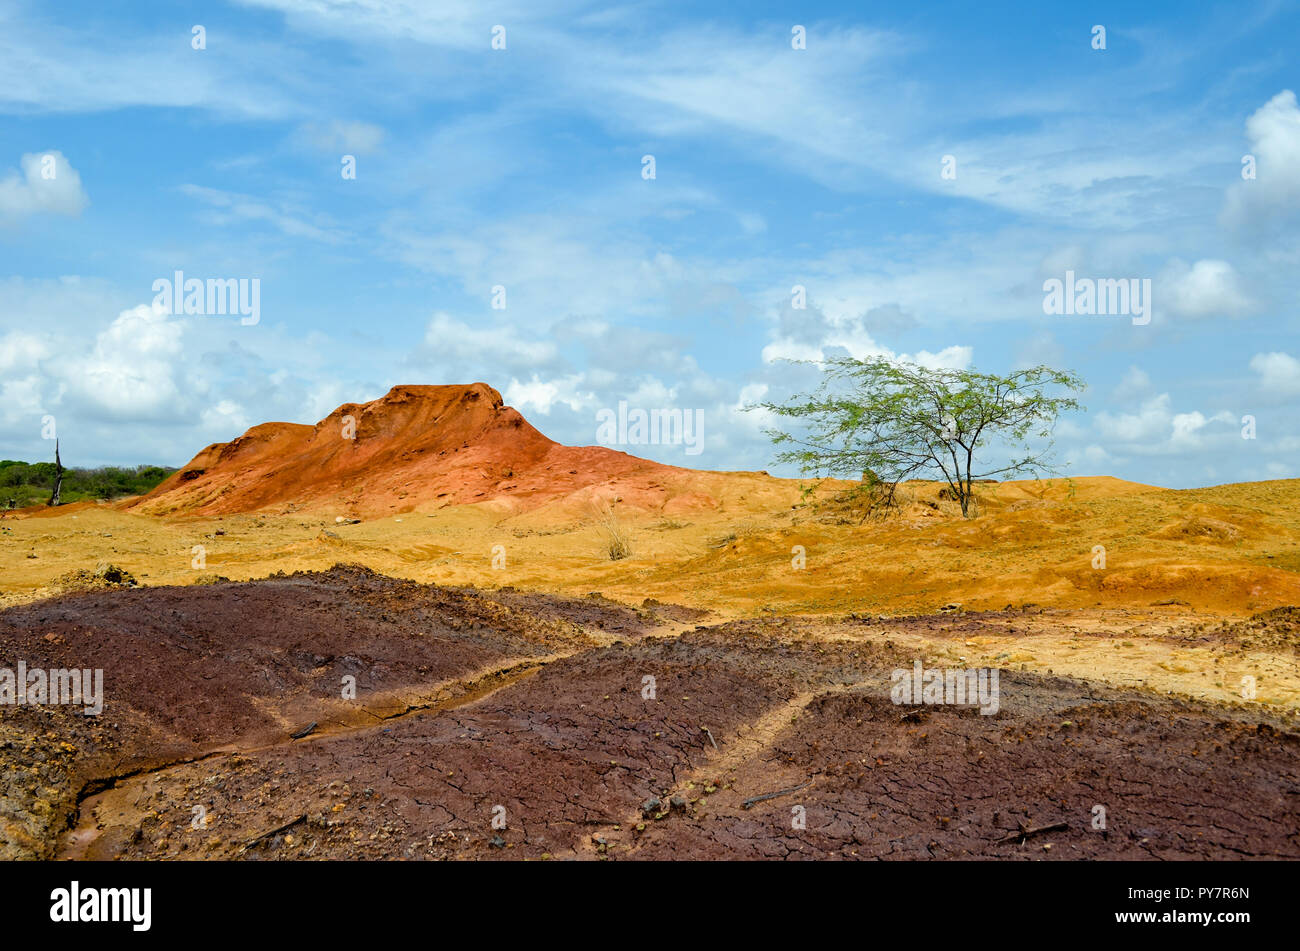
[527, 689]
[1230, 550]
[1179, 559]
[533, 710]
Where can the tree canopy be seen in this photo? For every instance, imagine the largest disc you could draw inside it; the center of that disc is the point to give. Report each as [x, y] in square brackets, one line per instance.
[889, 422]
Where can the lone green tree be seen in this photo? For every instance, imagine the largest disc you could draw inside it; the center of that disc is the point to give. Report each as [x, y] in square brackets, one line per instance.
[889, 422]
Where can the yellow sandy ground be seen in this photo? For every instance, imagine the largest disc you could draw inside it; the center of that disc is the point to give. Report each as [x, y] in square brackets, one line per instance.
[1171, 558]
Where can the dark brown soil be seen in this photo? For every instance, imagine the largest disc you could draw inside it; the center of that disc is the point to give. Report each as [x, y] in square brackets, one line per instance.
[511, 725]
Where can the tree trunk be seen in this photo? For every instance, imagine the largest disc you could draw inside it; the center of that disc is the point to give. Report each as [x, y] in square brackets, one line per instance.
[965, 500]
[58, 475]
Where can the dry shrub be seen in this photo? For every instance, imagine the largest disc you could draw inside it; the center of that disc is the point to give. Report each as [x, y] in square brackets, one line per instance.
[616, 541]
[1200, 530]
[871, 498]
[104, 576]
[746, 529]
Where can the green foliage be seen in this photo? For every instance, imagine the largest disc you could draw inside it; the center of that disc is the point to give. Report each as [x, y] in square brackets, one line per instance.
[30, 483]
[887, 422]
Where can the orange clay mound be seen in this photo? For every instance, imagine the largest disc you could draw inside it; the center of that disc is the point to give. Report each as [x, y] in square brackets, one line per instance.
[417, 447]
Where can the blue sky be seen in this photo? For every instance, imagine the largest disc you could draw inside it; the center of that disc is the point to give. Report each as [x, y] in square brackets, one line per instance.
[522, 167]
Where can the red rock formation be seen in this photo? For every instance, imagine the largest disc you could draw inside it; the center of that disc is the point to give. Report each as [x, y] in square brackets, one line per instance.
[417, 447]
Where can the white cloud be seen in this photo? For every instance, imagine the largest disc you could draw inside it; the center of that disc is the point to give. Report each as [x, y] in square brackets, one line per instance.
[652, 392]
[754, 420]
[1151, 421]
[447, 339]
[131, 372]
[541, 395]
[1273, 134]
[949, 358]
[1155, 429]
[47, 184]
[64, 64]
[343, 136]
[233, 207]
[448, 23]
[1279, 372]
[229, 416]
[1097, 456]
[21, 351]
[147, 387]
[22, 400]
[553, 266]
[1186, 426]
[860, 345]
[750, 393]
[1208, 288]
[1136, 383]
[22, 379]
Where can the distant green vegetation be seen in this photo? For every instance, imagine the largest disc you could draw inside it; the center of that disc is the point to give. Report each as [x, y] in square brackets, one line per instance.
[30, 483]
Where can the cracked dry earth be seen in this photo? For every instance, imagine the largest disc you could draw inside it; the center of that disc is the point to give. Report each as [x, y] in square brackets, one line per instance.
[531, 708]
